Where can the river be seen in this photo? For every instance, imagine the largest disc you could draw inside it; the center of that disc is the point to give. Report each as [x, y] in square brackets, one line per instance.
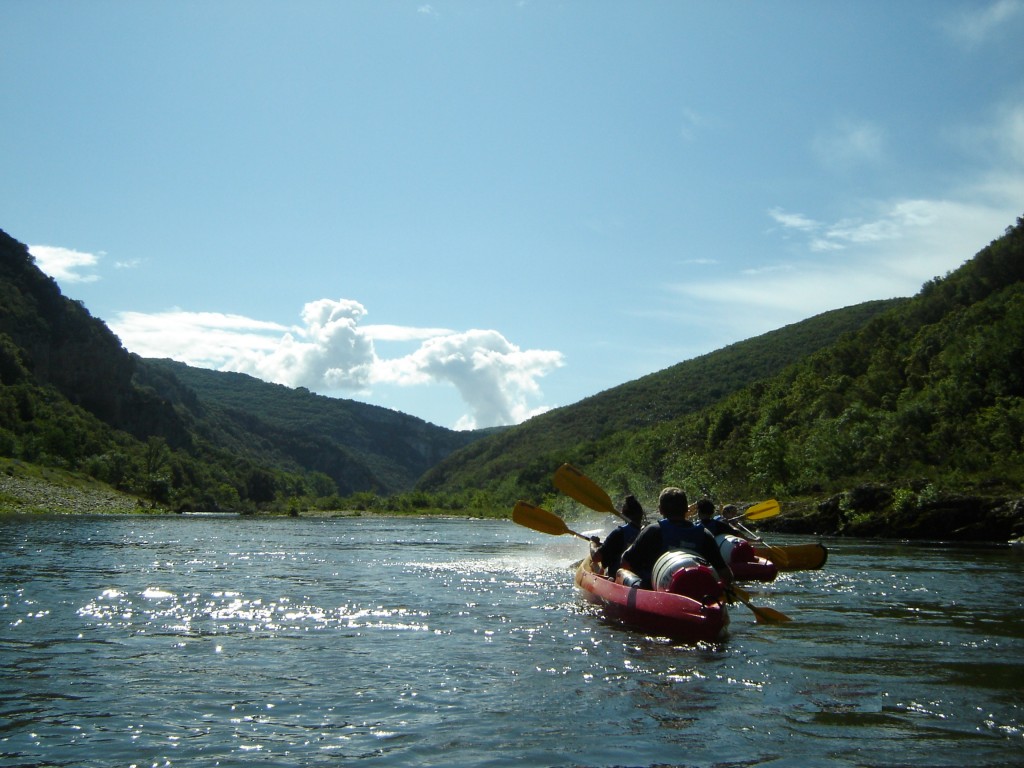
[201, 641]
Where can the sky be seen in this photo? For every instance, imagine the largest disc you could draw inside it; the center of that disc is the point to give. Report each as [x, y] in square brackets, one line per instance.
[473, 212]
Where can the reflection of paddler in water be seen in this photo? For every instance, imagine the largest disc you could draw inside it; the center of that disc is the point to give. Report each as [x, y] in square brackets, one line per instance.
[608, 554]
[672, 532]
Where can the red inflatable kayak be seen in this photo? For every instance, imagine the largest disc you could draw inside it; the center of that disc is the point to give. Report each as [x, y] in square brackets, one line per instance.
[745, 563]
[665, 613]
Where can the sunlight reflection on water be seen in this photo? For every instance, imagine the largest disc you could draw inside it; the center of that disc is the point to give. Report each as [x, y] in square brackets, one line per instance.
[434, 642]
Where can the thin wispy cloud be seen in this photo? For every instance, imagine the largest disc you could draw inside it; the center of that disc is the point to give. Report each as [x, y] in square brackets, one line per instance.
[691, 123]
[980, 22]
[793, 220]
[331, 352]
[892, 252]
[65, 264]
[850, 144]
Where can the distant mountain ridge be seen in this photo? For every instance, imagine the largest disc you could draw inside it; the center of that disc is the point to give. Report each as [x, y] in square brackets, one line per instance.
[363, 446]
[72, 396]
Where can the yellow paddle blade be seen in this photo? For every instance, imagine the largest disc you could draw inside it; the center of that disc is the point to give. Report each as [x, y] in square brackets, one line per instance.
[762, 615]
[578, 486]
[538, 519]
[763, 510]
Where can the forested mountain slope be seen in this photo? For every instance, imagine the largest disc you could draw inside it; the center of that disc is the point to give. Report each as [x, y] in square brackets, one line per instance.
[909, 425]
[323, 434]
[72, 397]
[518, 461]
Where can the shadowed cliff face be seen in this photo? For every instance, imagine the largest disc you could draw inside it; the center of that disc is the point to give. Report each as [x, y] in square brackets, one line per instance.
[65, 347]
[50, 344]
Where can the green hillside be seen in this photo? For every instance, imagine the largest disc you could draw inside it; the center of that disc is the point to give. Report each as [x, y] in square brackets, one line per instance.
[72, 398]
[913, 426]
[361, 446]
[518, 462]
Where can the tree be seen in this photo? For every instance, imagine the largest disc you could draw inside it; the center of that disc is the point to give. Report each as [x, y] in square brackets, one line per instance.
[260, 486]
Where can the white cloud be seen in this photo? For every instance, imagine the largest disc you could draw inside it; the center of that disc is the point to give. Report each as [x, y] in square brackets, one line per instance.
[890, 253]
[64, 264]
[203, 339]
[897, 229]
[402, 333]
[888, 247]
[850, 144]
[691, 123]
[332, 353]
[999, 142]
[494, 377]
[978, 23]
[793, 220]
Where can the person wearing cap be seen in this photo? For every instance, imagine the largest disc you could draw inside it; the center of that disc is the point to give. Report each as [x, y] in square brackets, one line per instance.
[672, 532]
[608, 554]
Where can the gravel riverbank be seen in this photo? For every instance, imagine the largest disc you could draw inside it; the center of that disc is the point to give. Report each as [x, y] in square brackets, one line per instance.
[29, 494]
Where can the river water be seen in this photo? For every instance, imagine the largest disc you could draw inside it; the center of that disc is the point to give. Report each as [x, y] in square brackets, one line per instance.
[191, 641]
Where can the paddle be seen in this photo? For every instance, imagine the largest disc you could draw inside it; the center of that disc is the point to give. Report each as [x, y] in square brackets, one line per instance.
[578, 486]
[541, 520]
[762, 614]
[760, 511]
[779, 556]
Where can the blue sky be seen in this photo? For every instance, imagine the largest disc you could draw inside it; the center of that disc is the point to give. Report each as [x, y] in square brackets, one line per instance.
[475, 211]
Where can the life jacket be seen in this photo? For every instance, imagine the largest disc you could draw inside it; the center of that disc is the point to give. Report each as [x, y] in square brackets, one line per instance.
[686, 536]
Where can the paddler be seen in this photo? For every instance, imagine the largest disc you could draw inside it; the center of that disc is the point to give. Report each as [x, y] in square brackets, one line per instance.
[719, 526]
[673, 531]
[608, 554]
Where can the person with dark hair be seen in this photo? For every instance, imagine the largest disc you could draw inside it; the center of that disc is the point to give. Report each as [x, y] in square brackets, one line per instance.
[718, 526]
[607, 555]
[672, 532]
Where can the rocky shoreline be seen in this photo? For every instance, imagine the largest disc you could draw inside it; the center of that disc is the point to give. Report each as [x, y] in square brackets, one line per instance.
[880, 512]
[27, 494]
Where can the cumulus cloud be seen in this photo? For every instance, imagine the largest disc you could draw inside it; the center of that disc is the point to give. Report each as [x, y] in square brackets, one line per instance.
[494, 377]
[332, 352]
[64, 264]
